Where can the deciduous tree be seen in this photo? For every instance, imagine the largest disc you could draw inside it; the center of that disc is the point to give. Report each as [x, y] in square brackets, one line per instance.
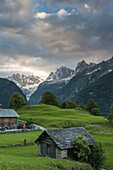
[16, 101]
[91, 104]
[90, 154]
[49, 98]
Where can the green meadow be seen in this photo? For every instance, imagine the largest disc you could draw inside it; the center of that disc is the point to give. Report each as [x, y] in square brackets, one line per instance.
[50, 116]
[24, 157]
[18, 138]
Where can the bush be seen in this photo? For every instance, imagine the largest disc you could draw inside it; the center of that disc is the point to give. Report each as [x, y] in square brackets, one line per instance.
[91, 104]
[110, 118]
[81, 149]
[29, 123]
[110, 115]
[97, 156]
[82, 106]
[83, 152]
[95, 112]
[63, 106]
[68, 105]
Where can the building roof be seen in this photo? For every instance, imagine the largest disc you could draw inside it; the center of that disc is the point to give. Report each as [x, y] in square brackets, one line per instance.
[63, 137]
[8, 113]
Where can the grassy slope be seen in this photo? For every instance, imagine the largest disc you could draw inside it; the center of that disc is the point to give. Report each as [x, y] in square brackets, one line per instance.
[18, 138]
[107, 141]
[24, 158]
[50, 116]
[47, 115]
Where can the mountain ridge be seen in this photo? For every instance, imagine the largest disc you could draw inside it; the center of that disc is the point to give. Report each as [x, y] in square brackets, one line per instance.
[7, 88]
[79, 81]
[28, 84]
[61, 73]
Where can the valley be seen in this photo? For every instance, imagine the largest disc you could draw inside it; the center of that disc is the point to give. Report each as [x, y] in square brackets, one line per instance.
[91, 80]
[53, 117]
[56, 85]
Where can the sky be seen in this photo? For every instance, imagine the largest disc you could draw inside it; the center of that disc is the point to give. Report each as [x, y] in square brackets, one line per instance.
[37, 37]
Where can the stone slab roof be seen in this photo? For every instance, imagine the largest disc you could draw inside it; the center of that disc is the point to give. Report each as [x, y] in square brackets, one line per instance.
[63, 137]
[8, 113]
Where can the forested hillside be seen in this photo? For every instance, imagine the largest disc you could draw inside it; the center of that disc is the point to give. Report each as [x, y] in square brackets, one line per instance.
[7, 88]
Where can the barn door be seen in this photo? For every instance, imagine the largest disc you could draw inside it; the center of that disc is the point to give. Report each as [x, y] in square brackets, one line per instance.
[43, 149]
[51, 151]
[48, 150]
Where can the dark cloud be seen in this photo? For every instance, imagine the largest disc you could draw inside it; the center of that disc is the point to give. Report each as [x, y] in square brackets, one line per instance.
[79, 3]
[47, 42]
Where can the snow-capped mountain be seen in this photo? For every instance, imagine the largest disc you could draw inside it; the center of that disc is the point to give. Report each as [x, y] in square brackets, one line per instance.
[60, 74]
[28, 84]
[86, 76]
[54, 82]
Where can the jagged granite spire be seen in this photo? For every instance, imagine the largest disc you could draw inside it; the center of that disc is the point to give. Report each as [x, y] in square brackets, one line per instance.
[81, 66]
[61, 73]
[28, 84]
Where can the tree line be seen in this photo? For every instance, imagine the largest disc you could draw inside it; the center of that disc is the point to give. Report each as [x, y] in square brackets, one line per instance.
[49, 98]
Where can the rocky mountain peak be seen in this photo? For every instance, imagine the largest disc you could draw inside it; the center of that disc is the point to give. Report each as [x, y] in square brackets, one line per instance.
[82, 65]
[61, 73]
[28, 84]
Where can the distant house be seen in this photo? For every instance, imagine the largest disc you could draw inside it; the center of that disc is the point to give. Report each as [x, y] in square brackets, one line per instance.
[8, 118]
[56, 143]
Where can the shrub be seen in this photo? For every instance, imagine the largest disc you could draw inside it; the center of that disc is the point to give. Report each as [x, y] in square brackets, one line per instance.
[83, 152]
[110, 115]
[95, 112]
[58, 165]
[68, 105]
[81, 149]
[82, 106]
[29, 123]
[91, 104]
[63, 106]
[97, 156]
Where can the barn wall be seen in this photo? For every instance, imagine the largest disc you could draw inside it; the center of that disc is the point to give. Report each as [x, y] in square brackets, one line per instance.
[39, 149]
[61, 153]
[47, 147]
[8, 122]
[13, 119]
[70, 154]
[5, 119]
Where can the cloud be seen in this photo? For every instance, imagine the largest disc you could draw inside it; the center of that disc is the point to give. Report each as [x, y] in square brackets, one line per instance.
[42, 15]
[45, 40]
[62, 13]
[79, 4]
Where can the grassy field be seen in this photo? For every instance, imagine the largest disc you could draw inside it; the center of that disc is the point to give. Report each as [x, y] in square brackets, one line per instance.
[107, 141]
[24, 157]
[50, 116]
[18, 138]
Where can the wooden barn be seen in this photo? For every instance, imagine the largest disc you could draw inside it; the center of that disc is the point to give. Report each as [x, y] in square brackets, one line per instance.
[8, 118]
[56, 143]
